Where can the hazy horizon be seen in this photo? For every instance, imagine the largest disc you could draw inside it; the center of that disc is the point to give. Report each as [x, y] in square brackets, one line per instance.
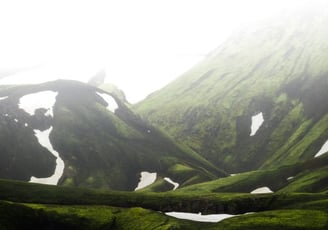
[142, 45]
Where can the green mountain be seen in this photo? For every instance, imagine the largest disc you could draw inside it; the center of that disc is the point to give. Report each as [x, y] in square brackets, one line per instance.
[256, 107]
[278, 70]
[100, 148]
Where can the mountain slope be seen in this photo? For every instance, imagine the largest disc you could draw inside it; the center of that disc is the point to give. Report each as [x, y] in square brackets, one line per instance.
[309, 176]
[279, 71]
[101, 142]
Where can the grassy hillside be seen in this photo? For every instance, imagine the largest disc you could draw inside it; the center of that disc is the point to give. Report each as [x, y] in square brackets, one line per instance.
[309, 176]
[100, 148]
[279, 69]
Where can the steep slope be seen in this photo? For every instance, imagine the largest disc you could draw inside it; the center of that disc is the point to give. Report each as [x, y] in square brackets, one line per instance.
[101, 143]
[278, 72]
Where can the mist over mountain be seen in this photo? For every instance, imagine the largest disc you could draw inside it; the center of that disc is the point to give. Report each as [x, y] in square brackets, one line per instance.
[7, 72]
[278, 71]
[240, 140]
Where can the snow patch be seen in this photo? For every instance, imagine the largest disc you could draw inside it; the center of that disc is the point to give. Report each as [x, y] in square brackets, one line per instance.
[262, 190]
[112, 104]
[3, 98]
[257, 121]
[146, 179]
[25, 124]
[176, 185]
[290, 178]
[323, 149]
[43, 138]
[16, 120]
[6, 115]
[214, 218]
[44, 99]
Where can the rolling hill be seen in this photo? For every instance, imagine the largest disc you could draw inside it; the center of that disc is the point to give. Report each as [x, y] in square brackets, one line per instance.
[100, 142]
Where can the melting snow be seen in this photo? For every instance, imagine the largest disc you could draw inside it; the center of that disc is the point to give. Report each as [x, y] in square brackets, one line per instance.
[112, 105]
[262, 190]
[176, 185]
[43, 138]
[323, 149]
[199, 217]
[3, 98]
[44, 99]
[146, 179]
[257, 121]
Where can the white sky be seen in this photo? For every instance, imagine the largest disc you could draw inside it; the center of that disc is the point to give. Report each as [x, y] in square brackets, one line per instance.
[142, 44]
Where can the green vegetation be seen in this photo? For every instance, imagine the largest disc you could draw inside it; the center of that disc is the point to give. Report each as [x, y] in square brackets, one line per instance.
[309, 181]
[196, 130]
[21, 154]
[279, 219]
[41, 206]
[309, 176]
[209, 108]
[100, 149]
[39, 216]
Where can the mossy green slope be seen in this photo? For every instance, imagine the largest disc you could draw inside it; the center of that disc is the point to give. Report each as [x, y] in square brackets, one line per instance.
[309, 176]
[101, 149]
[280, 219]
[40, 216]
[20, 153]
[44, 206]
[279, 69]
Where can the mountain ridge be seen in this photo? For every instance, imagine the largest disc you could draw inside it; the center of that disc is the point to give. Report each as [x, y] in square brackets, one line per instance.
[100, 148]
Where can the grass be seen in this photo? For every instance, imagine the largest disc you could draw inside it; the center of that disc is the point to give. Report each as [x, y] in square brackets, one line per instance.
[308, 176]
[279, 219]
[40, 216]
[41, 206]
[169, 201]
[100, 149]
[309, 181]
[209, 108]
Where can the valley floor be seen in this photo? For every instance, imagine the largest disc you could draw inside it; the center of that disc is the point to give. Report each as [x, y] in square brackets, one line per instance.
[27, 205]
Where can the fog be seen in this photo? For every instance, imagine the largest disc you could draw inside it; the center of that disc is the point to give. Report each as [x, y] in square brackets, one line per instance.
[142, 45]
